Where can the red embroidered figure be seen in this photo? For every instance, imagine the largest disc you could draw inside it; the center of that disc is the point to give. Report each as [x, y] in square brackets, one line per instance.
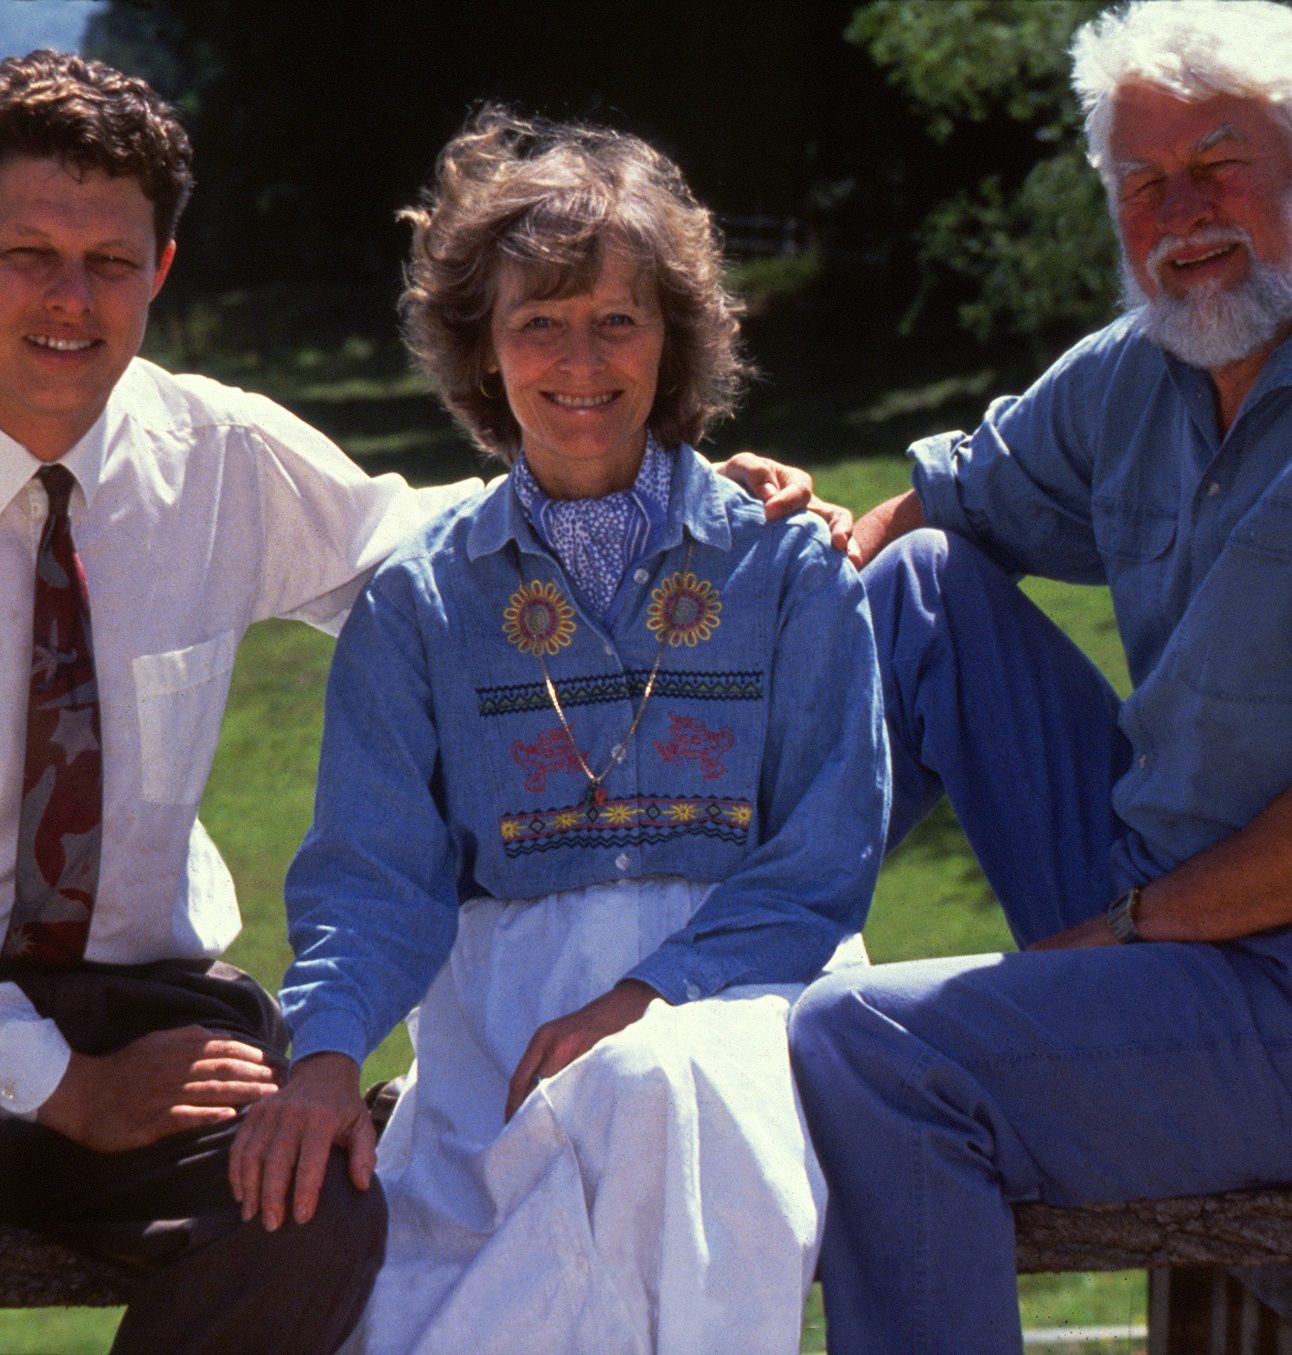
[692, 740]
[553, 752]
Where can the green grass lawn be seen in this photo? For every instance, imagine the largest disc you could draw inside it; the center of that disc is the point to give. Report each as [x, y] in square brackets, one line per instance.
[931, 898]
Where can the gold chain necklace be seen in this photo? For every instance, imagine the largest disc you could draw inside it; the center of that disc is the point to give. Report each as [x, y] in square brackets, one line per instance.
[595, 795]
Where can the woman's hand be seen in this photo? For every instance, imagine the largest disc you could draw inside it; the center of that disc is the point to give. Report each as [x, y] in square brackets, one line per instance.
[284, 1142]
[560, 1042]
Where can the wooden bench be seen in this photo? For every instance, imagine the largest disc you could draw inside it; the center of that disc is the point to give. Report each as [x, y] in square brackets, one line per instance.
[1219, 1278]
[39, 1274]
[1219, 1282]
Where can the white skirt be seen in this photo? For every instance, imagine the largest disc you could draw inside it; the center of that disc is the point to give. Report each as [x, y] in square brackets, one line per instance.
[657, 1197]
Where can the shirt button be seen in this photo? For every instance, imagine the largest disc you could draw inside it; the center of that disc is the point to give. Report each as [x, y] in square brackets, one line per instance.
[610, 649]
[640, 575]
[1213, 489]
[692, 992]
[622, 861]
[1142, 761]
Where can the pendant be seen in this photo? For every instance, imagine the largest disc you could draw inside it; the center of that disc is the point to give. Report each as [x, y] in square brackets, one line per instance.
[593, 798]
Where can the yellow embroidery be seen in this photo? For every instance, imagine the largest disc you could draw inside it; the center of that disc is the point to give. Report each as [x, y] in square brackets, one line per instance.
[684, 609]
[538, 620]
[740, 814]
[682, 812]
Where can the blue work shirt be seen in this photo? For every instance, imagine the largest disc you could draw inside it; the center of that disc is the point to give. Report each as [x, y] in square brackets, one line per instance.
[1112, 469]
[760, 763]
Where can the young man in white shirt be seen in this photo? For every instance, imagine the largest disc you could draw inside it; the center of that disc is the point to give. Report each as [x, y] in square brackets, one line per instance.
[126, 1048]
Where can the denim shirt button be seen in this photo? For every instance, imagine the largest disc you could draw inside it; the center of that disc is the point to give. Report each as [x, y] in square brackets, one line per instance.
[609, 648]
[622, 861]
[1142, 761]
[692, 992]
[640, 575]
[1213, 489]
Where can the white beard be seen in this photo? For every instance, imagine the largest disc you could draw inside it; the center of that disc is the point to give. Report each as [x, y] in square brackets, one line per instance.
[1212, 326]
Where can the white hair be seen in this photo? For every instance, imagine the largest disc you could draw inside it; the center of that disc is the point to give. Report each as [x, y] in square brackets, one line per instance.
[1193, 49]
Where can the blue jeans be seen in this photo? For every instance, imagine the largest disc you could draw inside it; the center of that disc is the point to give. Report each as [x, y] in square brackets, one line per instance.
[940, 1091]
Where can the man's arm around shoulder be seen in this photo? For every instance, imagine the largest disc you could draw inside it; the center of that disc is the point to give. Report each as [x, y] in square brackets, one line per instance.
[884, 524]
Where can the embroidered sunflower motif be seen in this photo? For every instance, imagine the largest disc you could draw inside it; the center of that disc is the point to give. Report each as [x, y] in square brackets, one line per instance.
[741, 814]
[511, 830]
[684, 609]
[538, 620]
[620, 813]
[682, 812]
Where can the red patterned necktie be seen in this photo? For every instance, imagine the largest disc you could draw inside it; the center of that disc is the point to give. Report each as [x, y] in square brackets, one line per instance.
[61, 822]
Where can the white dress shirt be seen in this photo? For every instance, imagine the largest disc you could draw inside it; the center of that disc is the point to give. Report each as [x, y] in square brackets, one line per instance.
[198, 510]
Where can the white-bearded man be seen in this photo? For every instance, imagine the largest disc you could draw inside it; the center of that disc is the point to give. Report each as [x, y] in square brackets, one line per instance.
[1153, 457]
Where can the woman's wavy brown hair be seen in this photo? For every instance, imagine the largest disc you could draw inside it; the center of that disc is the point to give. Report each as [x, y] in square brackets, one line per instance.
[554, 198]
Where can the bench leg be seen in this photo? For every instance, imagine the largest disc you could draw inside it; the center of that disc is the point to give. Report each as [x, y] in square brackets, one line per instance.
[1201, 1310]
[1188, 1311]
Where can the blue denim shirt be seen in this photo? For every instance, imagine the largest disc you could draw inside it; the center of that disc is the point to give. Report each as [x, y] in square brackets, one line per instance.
[760, 762]
[1111, 469]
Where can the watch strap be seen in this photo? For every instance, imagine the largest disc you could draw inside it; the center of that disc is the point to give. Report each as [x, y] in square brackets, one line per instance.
[1121, 915]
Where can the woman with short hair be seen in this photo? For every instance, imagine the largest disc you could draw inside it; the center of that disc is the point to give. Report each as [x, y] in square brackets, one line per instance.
[604, 766]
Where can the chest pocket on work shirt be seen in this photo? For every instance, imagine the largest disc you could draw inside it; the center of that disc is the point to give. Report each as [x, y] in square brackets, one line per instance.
[180, 696]
[1237, 634]
[1134, 543]
[1267, 528]
[1129, 535]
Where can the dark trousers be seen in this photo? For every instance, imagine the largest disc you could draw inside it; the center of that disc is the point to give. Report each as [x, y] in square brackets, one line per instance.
[210, 1282]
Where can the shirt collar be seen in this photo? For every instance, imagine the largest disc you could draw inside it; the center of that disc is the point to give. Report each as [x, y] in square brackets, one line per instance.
[1191, 382]
[1276, 372]
[695, 507]
[85, 459]
[649, 490]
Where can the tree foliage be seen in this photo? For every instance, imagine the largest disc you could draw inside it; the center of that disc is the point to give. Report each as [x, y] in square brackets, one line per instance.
[1032, 245]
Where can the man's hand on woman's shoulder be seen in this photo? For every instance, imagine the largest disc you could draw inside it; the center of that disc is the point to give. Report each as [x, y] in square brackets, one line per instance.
[785, 490]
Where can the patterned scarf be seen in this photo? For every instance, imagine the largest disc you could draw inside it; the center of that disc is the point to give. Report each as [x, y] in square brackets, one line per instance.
[598, 540]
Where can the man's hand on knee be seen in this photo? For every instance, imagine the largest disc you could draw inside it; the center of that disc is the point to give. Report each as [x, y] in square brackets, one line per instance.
[164, 1082]
[283, 1145]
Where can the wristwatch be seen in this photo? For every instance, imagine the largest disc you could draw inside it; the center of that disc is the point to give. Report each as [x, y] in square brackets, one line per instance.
[1121, 915]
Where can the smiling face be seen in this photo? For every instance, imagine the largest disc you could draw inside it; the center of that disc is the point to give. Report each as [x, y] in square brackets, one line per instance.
[579, 373]
[78, 270]
[1199, 189]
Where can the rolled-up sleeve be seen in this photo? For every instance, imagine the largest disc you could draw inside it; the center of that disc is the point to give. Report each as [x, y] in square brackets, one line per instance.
[1019, 486]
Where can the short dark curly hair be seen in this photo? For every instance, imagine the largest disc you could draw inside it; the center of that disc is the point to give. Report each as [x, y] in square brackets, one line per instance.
[91, 116]
[554, 198]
